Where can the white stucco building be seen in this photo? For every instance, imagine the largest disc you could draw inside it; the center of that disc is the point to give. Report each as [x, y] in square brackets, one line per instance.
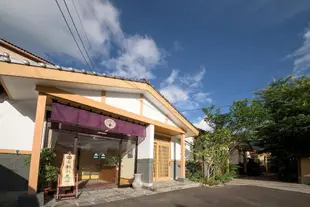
[95, 116]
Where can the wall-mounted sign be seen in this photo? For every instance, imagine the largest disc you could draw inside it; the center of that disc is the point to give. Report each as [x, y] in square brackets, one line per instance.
[110, 123]
[67, 170]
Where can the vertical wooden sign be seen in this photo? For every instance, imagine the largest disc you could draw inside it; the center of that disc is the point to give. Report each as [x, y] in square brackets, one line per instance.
[67, 169]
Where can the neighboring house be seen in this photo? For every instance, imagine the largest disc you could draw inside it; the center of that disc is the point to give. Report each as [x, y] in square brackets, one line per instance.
[304, 170]
[189, 142]
[95, 116]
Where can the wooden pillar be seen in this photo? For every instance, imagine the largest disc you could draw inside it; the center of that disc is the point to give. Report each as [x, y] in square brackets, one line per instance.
[103, 96]
[182, 155]
[36, 144]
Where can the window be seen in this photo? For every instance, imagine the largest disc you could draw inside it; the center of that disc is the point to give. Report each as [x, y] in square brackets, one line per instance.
[96, 156]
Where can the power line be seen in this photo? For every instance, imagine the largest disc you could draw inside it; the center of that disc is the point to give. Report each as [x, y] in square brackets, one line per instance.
[222, 106]
[252, 90]
[79, 34]
[81, 23]
[72, 34]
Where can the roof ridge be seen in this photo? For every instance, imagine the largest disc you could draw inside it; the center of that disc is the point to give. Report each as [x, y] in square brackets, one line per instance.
[23, 50]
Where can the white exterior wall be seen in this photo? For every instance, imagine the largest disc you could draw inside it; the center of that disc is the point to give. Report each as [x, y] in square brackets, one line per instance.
[21, 115]
[17, 124]
[150, 111]
[175, 148]
[127, 101]
[171, 123]
[146, 147]
[91, 94]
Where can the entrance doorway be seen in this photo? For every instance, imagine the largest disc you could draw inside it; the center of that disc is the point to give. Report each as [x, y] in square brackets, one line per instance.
[102, 160]
[161, 165]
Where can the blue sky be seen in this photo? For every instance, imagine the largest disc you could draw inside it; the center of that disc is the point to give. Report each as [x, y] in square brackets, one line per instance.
[196, 53]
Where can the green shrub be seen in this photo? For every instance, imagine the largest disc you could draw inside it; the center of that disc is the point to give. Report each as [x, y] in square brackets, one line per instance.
[48, 173]
[196, 177]
[234, 170]
[224, 178]
[228, 175]
[194, 171]
[210, 181]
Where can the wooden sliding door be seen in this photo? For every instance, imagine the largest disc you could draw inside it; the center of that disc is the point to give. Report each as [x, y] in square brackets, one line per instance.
[161, 165]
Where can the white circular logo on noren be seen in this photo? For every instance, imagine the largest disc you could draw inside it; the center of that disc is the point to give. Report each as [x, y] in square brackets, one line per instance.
[110, 123]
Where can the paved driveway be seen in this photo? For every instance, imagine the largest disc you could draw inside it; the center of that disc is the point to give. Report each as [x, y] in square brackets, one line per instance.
[230, 195]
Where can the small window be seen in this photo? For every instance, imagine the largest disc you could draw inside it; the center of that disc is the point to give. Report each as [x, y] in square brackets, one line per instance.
[102, 156]
[96, 156]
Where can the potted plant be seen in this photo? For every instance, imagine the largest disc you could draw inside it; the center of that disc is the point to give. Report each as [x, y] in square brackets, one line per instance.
[112, 161]
[47, 172]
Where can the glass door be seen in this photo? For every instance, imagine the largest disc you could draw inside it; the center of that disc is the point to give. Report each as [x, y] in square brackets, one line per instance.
[128, 154]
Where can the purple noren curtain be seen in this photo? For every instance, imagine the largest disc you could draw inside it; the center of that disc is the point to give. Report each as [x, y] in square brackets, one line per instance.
[71, 115]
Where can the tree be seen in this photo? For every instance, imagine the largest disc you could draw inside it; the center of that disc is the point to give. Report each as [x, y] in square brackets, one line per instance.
[233, 130]
[285, 130]
[212, 148]
[278, 117]
[245, 117]
[242, 120]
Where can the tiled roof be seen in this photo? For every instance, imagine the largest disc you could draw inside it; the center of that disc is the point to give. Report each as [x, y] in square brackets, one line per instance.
[4, 57]
[25, 52]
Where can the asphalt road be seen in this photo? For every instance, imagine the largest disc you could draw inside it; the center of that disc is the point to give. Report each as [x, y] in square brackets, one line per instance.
[246, 196]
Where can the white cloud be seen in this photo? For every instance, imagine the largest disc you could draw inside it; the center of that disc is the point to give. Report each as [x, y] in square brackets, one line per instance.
[172, 76]
[193, 81]
[139, 56]
[39, 27]
[175, 93]
[202, 124]
[177, 46]
[302, 55]
[202, 97]
[185, 91]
